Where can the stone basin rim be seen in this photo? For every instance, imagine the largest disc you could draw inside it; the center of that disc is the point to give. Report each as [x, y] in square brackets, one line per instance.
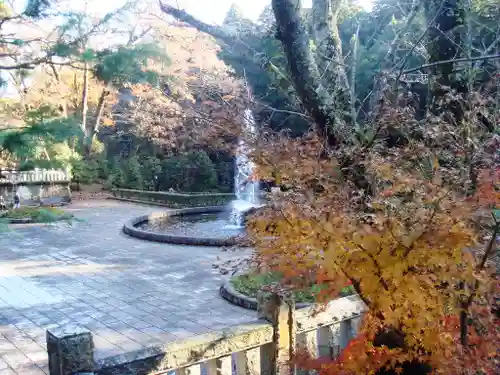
[130, 228]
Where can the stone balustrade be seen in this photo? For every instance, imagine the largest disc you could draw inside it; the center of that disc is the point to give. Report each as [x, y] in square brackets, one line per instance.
[263, 347]
[35, 175]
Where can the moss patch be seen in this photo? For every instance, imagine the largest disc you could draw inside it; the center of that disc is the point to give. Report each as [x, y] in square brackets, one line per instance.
[38, 214]
[250, 284]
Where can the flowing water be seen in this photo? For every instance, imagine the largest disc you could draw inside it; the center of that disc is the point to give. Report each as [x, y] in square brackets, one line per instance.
[246, 188]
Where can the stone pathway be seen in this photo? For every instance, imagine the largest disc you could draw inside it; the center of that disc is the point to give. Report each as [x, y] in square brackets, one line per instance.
[131, 294]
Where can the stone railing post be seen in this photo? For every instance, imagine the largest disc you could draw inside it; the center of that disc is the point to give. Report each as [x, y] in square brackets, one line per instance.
[70, 350]
[279, 310]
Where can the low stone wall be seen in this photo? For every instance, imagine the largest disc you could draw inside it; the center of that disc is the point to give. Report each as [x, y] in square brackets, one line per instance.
[36, 192]
[173, 200]
[230, 294]
[130, 228]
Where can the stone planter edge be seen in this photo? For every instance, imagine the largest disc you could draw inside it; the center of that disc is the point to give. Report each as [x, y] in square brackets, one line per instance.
[231, 295]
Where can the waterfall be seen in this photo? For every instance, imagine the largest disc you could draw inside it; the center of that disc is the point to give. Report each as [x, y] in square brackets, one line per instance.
[246, 188]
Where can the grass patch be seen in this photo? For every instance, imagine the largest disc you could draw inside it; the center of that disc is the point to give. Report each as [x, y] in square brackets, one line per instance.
[38, 214]
[250, 284]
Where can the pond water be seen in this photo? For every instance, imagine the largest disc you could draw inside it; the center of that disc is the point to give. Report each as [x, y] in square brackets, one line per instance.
[210, 225]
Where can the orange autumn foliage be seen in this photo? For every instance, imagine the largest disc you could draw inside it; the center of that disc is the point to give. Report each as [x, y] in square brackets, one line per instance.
[409, 242]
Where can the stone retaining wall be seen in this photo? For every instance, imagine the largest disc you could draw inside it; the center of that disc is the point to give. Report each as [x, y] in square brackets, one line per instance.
[174, 200]
[34, 192]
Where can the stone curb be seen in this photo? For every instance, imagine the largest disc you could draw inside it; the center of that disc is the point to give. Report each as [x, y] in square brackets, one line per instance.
[138, 201]
[130, 228]
[230, 294]
[23, 220]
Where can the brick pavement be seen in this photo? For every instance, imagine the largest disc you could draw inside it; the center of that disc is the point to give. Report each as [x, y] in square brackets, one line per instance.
[131, 294]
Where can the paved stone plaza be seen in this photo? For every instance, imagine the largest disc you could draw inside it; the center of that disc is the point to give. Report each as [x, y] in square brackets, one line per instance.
[130, 293]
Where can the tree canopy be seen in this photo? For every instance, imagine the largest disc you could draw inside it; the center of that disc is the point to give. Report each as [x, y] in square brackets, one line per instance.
[390, 179]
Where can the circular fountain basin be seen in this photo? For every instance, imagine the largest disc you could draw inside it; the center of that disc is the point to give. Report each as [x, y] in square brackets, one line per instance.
[203, 226]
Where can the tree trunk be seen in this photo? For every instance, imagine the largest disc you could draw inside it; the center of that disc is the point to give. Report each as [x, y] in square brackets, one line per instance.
[85, 97]
[181, 15]
[305, 75]
[329, 51]
[92, 131]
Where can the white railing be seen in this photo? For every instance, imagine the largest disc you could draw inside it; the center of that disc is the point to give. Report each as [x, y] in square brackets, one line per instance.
[35, 175]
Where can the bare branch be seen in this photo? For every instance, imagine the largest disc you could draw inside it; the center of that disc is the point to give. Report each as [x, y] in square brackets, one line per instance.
[183, 16]
[287, 111]
[389, 57]
[463, 59]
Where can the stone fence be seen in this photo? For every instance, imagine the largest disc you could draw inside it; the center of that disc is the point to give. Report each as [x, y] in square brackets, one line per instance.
[173, 200]
[261, 347]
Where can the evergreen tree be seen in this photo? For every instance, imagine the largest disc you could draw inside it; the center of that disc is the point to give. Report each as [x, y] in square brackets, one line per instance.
[133, 173]
[235, 21]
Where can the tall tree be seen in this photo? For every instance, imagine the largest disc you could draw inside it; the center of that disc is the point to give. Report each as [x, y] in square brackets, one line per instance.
[447, 30]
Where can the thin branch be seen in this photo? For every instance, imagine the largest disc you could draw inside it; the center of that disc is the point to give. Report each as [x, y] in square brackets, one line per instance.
[352, 89]
[183, 16]
[378, 268]
[389, 57]
[287, 111]
[422, 36]
[466, 304]
[463, 59]
[490, 246]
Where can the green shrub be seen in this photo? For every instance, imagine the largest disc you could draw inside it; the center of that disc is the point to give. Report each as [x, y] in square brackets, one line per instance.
[97, 148]
[250, 284]
[116, 178]
[38, 214]
[133, 174]
[200, 172]
[225, 176]
[84, 171]
[193, 172]
[173, 174]
[102, 168]
[151, 166]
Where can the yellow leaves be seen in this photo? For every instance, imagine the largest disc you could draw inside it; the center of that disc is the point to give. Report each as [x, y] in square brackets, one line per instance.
[108, 122]
[405, 255]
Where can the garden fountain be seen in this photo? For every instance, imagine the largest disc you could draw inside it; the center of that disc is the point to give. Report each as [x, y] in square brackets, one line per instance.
[207, 226]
